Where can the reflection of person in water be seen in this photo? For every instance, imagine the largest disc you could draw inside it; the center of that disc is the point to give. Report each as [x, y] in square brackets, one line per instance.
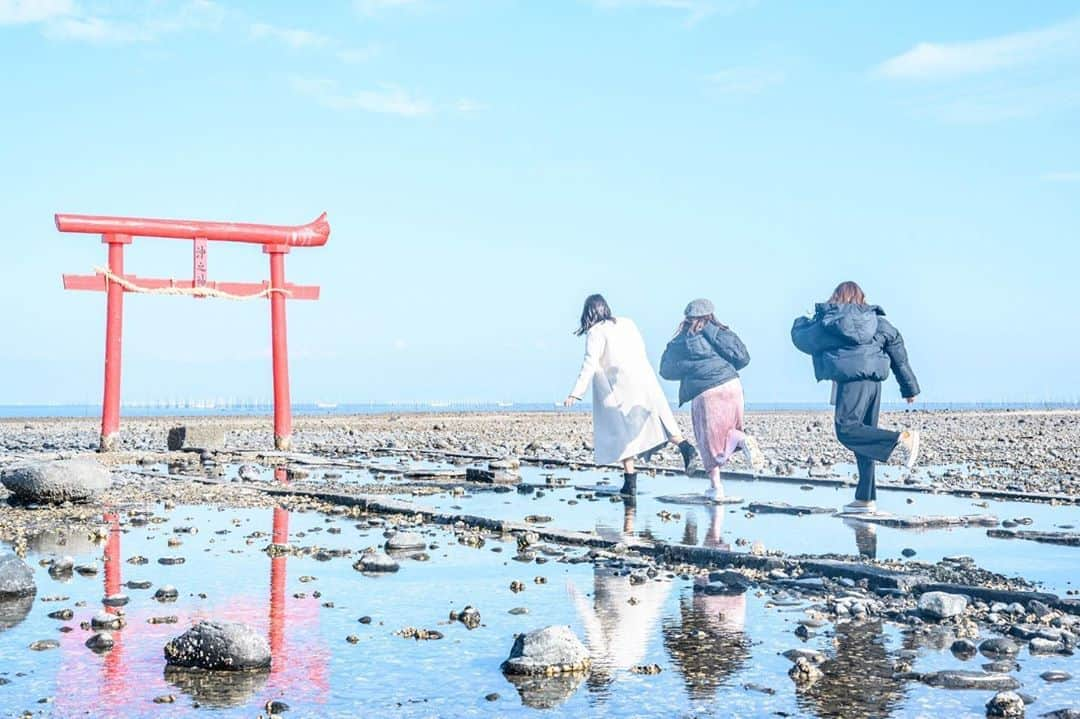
[708, 644]
[865, 537]
[860, 652]
[618, 630]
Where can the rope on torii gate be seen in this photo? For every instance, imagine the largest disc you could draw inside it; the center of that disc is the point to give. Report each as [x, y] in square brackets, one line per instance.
[188, 291]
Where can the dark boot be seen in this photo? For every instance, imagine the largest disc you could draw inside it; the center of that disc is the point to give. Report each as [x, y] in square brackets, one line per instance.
[629, 485]
[688, 454]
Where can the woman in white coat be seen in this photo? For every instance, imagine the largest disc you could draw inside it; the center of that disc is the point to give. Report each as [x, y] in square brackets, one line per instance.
[631, 415]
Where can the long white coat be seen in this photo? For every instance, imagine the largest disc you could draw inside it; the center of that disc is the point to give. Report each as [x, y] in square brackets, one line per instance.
[631, 415]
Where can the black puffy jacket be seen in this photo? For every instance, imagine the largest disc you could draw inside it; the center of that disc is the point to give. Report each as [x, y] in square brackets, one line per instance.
[854, 342]
[704, 360]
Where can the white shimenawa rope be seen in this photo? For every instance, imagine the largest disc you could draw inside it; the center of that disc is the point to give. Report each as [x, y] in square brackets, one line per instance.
[189, 291]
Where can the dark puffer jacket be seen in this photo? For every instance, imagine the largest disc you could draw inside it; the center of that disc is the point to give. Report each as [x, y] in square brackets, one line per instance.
[704, 360]
[854, 342]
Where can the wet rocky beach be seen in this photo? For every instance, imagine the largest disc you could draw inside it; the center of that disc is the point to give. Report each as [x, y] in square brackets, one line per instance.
[479, 565]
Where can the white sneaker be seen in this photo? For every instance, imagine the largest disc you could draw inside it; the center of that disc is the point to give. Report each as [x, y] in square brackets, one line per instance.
[909, 447]
[861, 506]
[753, 454]
[714, 495]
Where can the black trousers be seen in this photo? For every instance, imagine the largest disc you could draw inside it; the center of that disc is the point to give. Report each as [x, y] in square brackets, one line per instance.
[858, 405]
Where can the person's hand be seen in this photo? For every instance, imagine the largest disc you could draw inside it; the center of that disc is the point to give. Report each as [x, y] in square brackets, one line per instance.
[569, 402]
[910, 400]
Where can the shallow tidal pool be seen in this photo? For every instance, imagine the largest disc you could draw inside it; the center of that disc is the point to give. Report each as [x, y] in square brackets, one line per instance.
[718, 656]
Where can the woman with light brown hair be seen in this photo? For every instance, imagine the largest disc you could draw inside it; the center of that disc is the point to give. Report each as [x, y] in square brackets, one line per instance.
[854, 346]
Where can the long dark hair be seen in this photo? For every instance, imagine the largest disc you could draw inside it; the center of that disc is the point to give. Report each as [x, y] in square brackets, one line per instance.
[848, 293]
[594, 312]
[694, 325]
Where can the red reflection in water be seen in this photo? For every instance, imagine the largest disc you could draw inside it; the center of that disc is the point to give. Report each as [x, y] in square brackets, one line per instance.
[124, 681]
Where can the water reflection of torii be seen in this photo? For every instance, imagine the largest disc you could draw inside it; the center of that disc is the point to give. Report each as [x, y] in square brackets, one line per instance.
[313, 667]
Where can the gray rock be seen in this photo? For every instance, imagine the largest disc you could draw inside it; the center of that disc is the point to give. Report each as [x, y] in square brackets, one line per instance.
[812, 655]
[804, 673]
[1041, 645]
[964, 649]
[1007, 705]
[62, 480]
[16, 578]
[166, 593]
[548, 651]
[219, 645]
[999, 647]
[942, 605]
[100, 642]
[249, 473]
[106, 621]
[957, 679]
[376, 562]
[405, 542]
[197, 438]
[1062, 714]
[1055, 675]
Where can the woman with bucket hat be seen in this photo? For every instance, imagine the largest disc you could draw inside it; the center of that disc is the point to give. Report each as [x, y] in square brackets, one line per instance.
[705, 356]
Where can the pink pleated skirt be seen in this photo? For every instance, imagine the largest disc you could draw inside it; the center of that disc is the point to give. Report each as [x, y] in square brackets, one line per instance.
[717, 414]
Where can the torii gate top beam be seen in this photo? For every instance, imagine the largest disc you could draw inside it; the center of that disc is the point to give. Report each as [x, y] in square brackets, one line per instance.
[313, 234]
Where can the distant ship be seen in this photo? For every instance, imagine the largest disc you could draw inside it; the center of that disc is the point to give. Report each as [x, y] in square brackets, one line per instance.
[326, 405]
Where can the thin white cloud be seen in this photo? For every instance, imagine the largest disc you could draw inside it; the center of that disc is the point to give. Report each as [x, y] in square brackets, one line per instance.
[949, 60]
[744, 80]
[97, 30]
[467, 105]
[66, 20]
[293, 37]
[1062, 176]
[357, 55]
[389, 99]
[374, 7]
[25, 12]
[695, 10]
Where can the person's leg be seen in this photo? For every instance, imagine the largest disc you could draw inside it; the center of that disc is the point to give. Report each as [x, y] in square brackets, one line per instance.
[717, 483]
[857, 407]
[629, 486]
[867, 489]
[854, 401]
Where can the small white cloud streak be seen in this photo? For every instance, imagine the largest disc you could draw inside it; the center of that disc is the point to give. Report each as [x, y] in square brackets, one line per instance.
[374, 7]
[744, 80]
[64, 20]
[25, 12]
[357, 55]
[467, 105]
[388, 100]
[292, 37]
[695, 10]
[948, 60]
[1062, 176]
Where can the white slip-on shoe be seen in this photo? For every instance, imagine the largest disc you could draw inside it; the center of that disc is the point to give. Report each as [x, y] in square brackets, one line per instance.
[861, 506]
[753, 454]
[714, 495]
[909, 447]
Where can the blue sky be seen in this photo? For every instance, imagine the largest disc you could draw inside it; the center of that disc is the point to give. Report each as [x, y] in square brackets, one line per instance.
[487, 163]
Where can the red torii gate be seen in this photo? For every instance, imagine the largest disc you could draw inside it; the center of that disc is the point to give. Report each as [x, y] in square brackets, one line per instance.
[276, 240]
